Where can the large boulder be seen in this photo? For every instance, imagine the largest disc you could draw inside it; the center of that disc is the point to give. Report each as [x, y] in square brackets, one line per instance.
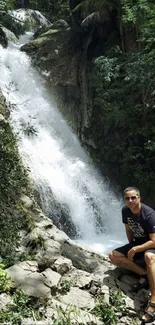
[7, 36]
[26, 276]
[31, 19]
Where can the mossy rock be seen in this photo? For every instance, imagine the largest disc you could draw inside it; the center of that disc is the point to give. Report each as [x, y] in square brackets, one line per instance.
[52, 52]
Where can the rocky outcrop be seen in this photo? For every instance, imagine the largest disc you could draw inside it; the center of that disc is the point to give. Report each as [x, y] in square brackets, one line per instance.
[32, 19]
[71, 278]
[6, 35]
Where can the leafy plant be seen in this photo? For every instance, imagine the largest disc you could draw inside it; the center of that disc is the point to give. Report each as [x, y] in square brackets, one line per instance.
[13, 176]
[104, 312]
[65, 286]
[118, 300]
[22, 306]
[5, 280]
[64, 317]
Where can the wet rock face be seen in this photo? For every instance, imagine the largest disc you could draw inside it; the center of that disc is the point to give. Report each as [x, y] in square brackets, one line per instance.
[55, 57]
[3, 38]
[6, 36]
[32, 19]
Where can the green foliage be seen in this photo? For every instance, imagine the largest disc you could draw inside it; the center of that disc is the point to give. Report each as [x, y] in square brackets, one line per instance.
[104, 312]
[124, 99]
[65, 286]
[5, 280]
[22, 306]
[9, 237]
[64, 317]
[6, 5]
[11, 4]
[125, 89]
[13, 176]
[13, 219]
[39, 242]
[141, 15]
[117, 299]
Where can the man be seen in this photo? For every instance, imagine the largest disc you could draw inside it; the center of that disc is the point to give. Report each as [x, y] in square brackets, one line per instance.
[139, 220]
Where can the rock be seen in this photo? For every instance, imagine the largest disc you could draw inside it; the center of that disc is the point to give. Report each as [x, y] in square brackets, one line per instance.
[60, 24]
[73, 275]
[81, 258]
[45, 224]
[25, 276]
[125, 320]
[132, 304]
[9, 36]
[4, 301]
[52, 246]
[79, 278]
[32, 237]
[62, 265]
[77, 316]
[2, 119]
[142, 296]
[3, 38]
[57, 234]
[33, 285]
[45, 259]
[51, 278]
[32, 18]
[18, 271]
[27, 202]
[4, 110]
[105, 292]
[79, 298]
[26, 321]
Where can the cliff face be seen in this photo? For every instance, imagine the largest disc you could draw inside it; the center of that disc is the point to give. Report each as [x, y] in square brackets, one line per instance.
[61, 57]
[53, 55]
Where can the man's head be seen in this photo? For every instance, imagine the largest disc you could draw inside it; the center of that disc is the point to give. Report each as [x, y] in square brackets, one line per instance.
[132, 198]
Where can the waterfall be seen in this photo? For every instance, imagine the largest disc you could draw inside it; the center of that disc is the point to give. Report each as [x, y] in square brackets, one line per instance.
[72, 192]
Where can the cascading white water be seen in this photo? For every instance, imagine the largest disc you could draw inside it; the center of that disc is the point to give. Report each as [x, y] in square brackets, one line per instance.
[58, 165]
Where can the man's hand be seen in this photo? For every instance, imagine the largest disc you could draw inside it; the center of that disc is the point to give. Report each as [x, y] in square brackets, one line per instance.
[131, 253]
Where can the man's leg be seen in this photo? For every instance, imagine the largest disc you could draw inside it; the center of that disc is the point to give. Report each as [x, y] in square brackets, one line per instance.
[150, 262]
[122, 261]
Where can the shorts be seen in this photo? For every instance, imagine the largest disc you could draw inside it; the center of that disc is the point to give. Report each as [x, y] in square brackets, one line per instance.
[139, 257]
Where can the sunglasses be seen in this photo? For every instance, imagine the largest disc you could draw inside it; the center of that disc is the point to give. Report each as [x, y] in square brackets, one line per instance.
[127, 198]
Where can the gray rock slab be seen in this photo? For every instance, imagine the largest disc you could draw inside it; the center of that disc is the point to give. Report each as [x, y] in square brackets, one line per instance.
[34, 286]
[45, 224]
[62, 265]
[32, 322]
[79, 298]
[79, 278]
[28, 203]
[57, 235]
[19, 271]
[25, 275]
[4, 301]
[51, 278]
[52, 246]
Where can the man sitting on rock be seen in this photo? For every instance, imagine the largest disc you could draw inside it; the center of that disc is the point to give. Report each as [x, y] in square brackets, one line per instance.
[139, 220]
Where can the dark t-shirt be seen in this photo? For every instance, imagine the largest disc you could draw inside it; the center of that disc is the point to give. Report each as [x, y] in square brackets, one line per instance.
[141, 224]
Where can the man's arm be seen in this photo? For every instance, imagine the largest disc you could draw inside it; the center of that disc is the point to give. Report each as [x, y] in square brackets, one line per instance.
[149, 244]
[129, 233]
[141, 248]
